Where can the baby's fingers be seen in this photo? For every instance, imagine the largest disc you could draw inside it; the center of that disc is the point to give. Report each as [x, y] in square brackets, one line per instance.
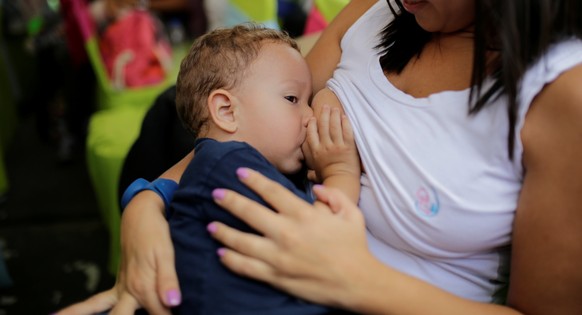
[312, 137]
[323, 125]
[347, 131]
[335, 126]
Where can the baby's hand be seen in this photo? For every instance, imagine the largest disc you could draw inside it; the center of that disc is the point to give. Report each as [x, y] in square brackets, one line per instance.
[330, 148]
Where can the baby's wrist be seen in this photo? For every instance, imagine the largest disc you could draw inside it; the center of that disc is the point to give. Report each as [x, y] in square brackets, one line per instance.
[340, 169]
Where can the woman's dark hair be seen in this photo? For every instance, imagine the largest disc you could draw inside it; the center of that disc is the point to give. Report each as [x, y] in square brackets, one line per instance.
[519, 31]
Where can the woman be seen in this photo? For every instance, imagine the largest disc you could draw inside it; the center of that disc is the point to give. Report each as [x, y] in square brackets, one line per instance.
[459, 165]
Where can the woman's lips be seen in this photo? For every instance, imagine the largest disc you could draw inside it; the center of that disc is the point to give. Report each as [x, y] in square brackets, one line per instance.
[412, 6]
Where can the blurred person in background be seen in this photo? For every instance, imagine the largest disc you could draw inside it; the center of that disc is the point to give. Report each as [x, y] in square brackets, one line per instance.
[133, 45]
[190, 15]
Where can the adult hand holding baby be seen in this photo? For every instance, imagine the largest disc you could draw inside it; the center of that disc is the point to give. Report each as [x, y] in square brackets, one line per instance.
[300, 251]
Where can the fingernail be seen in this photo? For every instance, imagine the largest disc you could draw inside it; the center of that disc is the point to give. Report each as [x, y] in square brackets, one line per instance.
[218, 194]
[221, 252]
[242, 172]
[317, 186]
[212, 227]
[173, 298]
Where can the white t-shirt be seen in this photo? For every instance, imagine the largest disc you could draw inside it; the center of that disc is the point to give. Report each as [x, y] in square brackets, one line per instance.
[440, 193]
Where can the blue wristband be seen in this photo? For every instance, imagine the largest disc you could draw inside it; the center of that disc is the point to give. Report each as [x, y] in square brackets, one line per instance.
[163, 187]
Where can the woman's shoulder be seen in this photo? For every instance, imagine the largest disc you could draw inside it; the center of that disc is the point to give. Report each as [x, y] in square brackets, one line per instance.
[353, 11]
[559, 59]
[325, 54]
[554, 115]
[563, 92]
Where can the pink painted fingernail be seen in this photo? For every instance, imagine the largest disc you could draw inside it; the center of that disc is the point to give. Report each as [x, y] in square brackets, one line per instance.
[242, 172]
[221, 252]
[218, 194]
[212, 227]
[173, 298]
[317, 186]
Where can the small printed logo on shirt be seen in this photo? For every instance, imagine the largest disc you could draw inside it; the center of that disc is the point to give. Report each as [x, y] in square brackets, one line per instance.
[427, 201]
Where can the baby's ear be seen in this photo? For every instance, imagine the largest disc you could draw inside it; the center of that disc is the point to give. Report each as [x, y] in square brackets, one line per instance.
[221, 109]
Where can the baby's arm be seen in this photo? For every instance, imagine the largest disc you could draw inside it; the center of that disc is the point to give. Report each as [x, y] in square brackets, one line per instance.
[330, 149]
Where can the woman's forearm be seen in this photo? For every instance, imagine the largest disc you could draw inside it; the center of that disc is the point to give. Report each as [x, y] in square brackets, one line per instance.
[175, 172]
[378, 289]
[147, 199]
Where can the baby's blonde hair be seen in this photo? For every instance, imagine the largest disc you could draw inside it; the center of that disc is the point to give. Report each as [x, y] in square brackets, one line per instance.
[218, 60]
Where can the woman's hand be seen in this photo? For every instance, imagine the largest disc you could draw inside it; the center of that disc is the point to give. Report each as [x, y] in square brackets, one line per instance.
[96, 304]
[147, 276]
[309, 251]
[147, 272]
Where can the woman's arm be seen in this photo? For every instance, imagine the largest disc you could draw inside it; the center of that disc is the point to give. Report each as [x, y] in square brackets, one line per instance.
[175, 172]
[546, 277]
[147, 265]
[325, 54]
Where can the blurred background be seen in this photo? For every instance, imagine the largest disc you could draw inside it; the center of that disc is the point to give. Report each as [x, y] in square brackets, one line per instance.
[86, 106]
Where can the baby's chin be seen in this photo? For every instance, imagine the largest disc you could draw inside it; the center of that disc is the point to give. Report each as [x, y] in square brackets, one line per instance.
[290, 167]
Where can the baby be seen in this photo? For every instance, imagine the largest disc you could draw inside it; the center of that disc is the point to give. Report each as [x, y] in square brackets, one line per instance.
[244, 92]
